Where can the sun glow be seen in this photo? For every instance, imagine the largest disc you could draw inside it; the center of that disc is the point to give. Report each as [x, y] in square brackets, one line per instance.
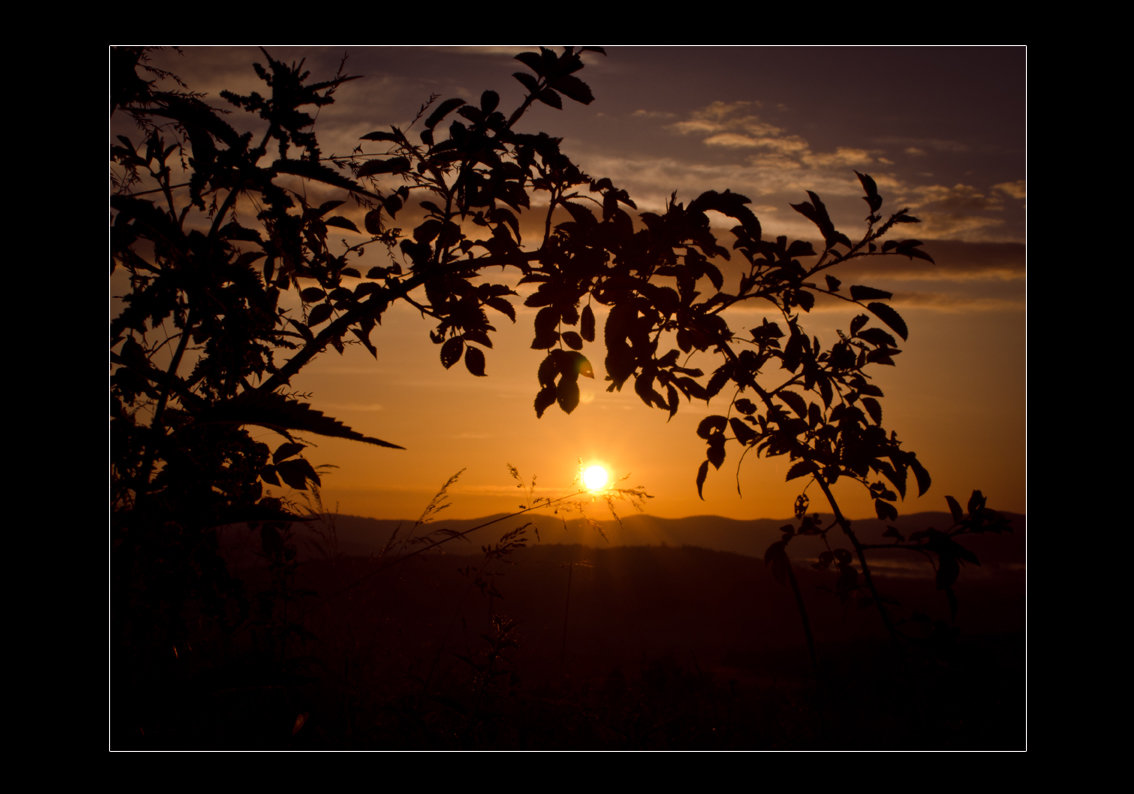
[595, 477]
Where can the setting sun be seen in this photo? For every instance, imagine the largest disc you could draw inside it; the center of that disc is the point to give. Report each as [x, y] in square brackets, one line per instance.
[595, 477]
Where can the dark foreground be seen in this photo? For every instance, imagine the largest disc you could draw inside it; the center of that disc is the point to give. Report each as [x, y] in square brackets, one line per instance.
[565, 647]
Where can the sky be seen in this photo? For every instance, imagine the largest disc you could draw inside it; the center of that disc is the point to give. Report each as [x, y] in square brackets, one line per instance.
[943, 131]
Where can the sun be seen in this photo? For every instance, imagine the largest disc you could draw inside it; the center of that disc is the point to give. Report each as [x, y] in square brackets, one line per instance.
[595, 477]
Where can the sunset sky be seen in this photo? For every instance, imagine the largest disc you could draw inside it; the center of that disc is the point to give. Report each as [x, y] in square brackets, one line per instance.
[942, 130]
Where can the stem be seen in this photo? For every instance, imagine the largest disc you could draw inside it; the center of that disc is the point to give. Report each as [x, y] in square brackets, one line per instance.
[803, 617]
[860, 550]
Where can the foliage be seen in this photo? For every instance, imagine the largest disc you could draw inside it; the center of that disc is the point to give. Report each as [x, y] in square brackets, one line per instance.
[240, 273]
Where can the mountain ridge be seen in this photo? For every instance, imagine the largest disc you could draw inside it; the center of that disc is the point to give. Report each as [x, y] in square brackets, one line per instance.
[362, 536]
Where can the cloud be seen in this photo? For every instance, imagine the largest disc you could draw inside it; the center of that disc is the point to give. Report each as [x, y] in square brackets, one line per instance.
[1016, 190]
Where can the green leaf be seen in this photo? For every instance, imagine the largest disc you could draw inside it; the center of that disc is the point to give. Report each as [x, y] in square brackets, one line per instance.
[887, 315]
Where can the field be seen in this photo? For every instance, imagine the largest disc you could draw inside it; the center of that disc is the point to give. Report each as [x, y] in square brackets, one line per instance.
[568, 646]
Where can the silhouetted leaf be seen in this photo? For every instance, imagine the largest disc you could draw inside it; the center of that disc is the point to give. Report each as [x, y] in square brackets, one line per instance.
[587, 324]
[743, 432]
[573, 88]
[395, 165]
[885, 510]
[887, 315]
[286, 450]
[955, 510]
[279, 413]
[544, 399]
[549, 97]
[702, 472]
[711, 425]
[474, 361]
[567, 394]
[380, 135]
[921, 475]
[318, 314]
[801, 468]
[797, 403]
[451, 351]
[443, 110]
[861, 293]
[341, 222]
[874, 408]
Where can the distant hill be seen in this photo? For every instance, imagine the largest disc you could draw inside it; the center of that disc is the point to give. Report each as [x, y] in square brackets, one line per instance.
[356, 536]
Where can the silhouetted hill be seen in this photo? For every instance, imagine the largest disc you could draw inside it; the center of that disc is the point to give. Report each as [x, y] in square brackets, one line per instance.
[639, 640]
[359, 536]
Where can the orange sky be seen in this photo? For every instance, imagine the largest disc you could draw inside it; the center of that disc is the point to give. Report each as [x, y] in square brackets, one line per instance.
[942, 130]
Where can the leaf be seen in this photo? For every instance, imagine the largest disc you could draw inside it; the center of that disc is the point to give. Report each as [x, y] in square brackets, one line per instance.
[743, 432]
[800, 468]
[567, 394]
[711, 425]
[587, 324]
[474, 361]
[341, 222]
[885, 510]
[702, 472]
[573, 88]
[286, 450]
[451, 351]
[874, 408]
[921, 475]
[318, 314]
[861, 293]
[549, 97]
[955, 510]
[544, 399]
[296, 473]
[443, 110]
[887, 315]
[796, 401]
[380, 135]
[581, 365]
[394, 165]
[573, 340]
[280, 413]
